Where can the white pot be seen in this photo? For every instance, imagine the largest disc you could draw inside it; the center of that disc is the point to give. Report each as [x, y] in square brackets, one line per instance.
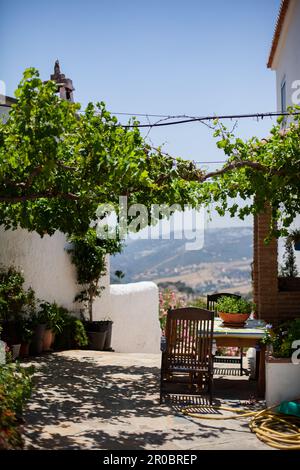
[282, 380]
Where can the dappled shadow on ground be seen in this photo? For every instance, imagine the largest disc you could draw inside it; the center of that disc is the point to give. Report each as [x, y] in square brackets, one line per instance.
[83, 403]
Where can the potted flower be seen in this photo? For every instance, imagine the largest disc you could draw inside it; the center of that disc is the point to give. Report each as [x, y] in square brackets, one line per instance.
[294, 236]
[234, 311]
[282, 362]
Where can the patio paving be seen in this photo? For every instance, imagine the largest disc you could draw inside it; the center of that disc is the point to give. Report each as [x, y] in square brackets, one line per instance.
[103, 400]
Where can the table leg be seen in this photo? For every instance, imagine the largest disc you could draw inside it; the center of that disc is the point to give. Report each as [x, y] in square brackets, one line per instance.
[261, 379]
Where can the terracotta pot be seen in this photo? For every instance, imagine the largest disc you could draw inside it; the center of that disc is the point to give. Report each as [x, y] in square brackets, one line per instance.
[36, 346]
[48, 340]
[24, 351]
[234, 318]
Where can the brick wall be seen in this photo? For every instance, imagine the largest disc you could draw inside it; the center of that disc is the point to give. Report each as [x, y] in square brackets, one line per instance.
[271, 304]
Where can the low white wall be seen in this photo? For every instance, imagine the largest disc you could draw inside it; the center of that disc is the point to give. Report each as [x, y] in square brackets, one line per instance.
[282, 382]
[46, 267]
[134, 311]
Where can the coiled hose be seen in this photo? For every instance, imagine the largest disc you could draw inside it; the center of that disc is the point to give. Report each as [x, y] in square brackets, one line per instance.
[274, 429]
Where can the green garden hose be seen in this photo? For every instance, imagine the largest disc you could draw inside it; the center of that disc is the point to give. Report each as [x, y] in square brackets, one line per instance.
[276, 430]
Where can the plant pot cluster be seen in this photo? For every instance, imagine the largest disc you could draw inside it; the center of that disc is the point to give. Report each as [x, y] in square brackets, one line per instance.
[23, 343]
[31, 329]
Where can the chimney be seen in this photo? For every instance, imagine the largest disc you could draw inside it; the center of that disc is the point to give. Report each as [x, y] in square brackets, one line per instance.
[64, 85]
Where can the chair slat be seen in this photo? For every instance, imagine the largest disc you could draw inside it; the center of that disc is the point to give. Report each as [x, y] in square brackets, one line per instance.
[189, 334]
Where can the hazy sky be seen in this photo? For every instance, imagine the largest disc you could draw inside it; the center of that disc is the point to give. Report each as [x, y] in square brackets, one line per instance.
[159, 57]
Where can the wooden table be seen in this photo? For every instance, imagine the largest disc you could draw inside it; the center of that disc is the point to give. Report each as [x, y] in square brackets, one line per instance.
[247, 337]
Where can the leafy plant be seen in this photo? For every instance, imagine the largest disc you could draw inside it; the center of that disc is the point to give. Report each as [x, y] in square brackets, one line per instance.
[79, 333]
[88, 254]
[52, 315]
[232, 305]
[281, 337]
[26, 329]
[14, 299]
[73, 333]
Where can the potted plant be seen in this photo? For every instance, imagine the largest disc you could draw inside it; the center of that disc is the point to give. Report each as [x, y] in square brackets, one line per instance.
[282, 362]
[53, 317]
[26, 336]
[88, 254]
[294, 236]
[72, 333]
[234, 311]
[39, 328]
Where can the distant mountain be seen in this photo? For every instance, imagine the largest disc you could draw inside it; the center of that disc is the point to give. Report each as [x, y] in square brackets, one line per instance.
[228, 249]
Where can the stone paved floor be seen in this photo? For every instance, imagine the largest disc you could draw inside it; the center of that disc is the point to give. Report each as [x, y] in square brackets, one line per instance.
[97, 400]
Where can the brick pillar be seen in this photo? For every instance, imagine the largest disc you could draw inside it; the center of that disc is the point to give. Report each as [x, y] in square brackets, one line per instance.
[254, 271]
[266, 269]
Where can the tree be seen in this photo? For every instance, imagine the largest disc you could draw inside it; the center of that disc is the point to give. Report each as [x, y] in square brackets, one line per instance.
[88, 255]
[261, 172]
[58, 164]
[289, 267]
[119, 275]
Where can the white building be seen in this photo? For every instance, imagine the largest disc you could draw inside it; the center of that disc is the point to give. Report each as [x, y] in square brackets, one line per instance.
[284, 56]
[284, 59]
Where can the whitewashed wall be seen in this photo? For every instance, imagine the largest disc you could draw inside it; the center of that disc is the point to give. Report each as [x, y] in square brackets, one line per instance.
[287, 58]
[134, 311]
[47, 267]
[286, 63]
[285, 389]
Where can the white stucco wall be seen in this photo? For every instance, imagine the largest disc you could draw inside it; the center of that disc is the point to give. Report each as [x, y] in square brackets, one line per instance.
[46, 266]
[134, 311]
[287, 58]
[286, 63]
[282, 382]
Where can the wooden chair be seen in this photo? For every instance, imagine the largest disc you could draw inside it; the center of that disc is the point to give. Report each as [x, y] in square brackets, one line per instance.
[211, 300]
[187, 362]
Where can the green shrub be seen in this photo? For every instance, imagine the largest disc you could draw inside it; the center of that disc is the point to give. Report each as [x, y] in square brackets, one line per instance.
[14, 299]
[15, 389]
[281, 337]
[72, 333]
[53, 316]
[232, 305]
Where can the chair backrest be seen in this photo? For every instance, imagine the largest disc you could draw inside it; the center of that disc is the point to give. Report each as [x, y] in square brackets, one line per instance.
[189, 334]
[213, 298]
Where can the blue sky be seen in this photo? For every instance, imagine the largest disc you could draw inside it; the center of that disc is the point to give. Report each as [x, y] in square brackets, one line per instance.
[160, 57]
